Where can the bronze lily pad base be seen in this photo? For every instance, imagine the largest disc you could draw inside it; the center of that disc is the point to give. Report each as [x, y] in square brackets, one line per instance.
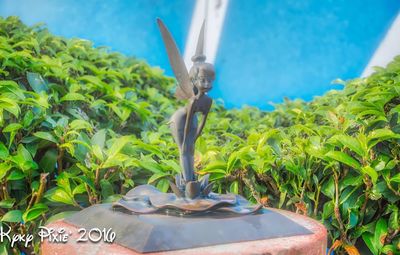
[148, 199]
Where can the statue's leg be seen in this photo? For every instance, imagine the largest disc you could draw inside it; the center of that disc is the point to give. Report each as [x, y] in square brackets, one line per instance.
[187, 163]
[187, 156]
[177, 126]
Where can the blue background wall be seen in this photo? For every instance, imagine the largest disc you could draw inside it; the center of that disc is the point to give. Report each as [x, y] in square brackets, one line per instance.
[269, 49]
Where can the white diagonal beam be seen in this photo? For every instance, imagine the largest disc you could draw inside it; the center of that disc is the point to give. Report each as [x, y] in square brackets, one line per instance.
[387, 50]
[213, 11]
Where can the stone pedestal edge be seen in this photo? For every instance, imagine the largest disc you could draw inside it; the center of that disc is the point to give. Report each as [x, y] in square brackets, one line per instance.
[314, 244]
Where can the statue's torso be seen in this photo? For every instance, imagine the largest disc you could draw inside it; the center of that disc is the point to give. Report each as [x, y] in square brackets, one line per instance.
[202, 104]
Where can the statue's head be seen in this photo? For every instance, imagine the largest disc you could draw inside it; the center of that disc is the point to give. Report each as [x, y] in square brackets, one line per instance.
[202, 75]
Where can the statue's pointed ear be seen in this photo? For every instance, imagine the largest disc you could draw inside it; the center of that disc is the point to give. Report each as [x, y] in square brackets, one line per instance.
[199, 55]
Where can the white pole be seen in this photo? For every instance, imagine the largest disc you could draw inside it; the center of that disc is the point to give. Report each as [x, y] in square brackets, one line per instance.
[387, 50]
[213, 11]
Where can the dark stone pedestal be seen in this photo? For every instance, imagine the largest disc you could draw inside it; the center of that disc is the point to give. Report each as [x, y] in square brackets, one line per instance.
[269, 232]
[156, 232]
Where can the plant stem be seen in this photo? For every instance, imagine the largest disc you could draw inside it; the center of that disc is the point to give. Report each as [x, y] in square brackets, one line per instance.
[368, 184]
[301, 198]
[34, 195]
[390, 236]
[336, 209]
[60, 160]
[248, 181]
[5, 192]
[92, 199]
[42, 186]
[317, 201]
[97, 178]
[397, 193]
[269, 182]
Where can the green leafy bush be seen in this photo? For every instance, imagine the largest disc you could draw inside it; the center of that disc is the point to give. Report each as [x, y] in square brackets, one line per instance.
[81, 126]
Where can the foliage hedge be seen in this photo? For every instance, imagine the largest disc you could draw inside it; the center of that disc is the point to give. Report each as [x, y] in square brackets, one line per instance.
[80, 125]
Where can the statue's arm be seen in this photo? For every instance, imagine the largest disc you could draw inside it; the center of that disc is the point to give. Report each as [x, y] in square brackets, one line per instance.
[188, 122]
[203, 121]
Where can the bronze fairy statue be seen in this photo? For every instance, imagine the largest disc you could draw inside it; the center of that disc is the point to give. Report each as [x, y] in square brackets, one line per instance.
[193, 86]
[190, 194]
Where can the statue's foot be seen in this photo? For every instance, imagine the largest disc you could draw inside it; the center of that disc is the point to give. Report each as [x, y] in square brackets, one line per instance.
[177, 191]
[191, 189]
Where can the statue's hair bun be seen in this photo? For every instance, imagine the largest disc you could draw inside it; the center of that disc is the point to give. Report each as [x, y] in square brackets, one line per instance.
[198, 58]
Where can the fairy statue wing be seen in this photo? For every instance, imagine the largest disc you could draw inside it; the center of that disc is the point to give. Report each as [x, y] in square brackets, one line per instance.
[185, 87]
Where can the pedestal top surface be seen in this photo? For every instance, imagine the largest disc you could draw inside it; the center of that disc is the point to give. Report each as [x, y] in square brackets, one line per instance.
[160, 232]
[311, 243]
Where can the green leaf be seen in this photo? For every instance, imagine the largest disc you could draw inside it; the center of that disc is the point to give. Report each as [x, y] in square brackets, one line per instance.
[395, 178]
[220, 166]
[353, 220]
[163, 185]
[380, 231]
[7, 203]
[118, 160]
[282, 198]
[63, 181]
[3, 151]
[98, 152]
[46, 136]
[4, 167]
[28, 118]
[24, 159]
[349, 196]
[369, 241]
[9, 104]
[328, 188]
[36, 82]
[151, 165]
[234, 187]
[112, 198]
[122, 112]
[80, 124]
[99, 138]
[59, 195]
[351, 180]
[16, 175]
[344, 158]
[4, 247]
[394, 222]
[157, 176]
[60, 216]
[73, 97]
[106, 189]
[12, 127]
[380, 135]
[327, 210]
[117, 146]
[352, 143]
[24, 153]
[233, 159]
[48, 161]
[34, 212]
[81, 188]
[12, 216]
[370, 172]
[389, 249]
[173, 165]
